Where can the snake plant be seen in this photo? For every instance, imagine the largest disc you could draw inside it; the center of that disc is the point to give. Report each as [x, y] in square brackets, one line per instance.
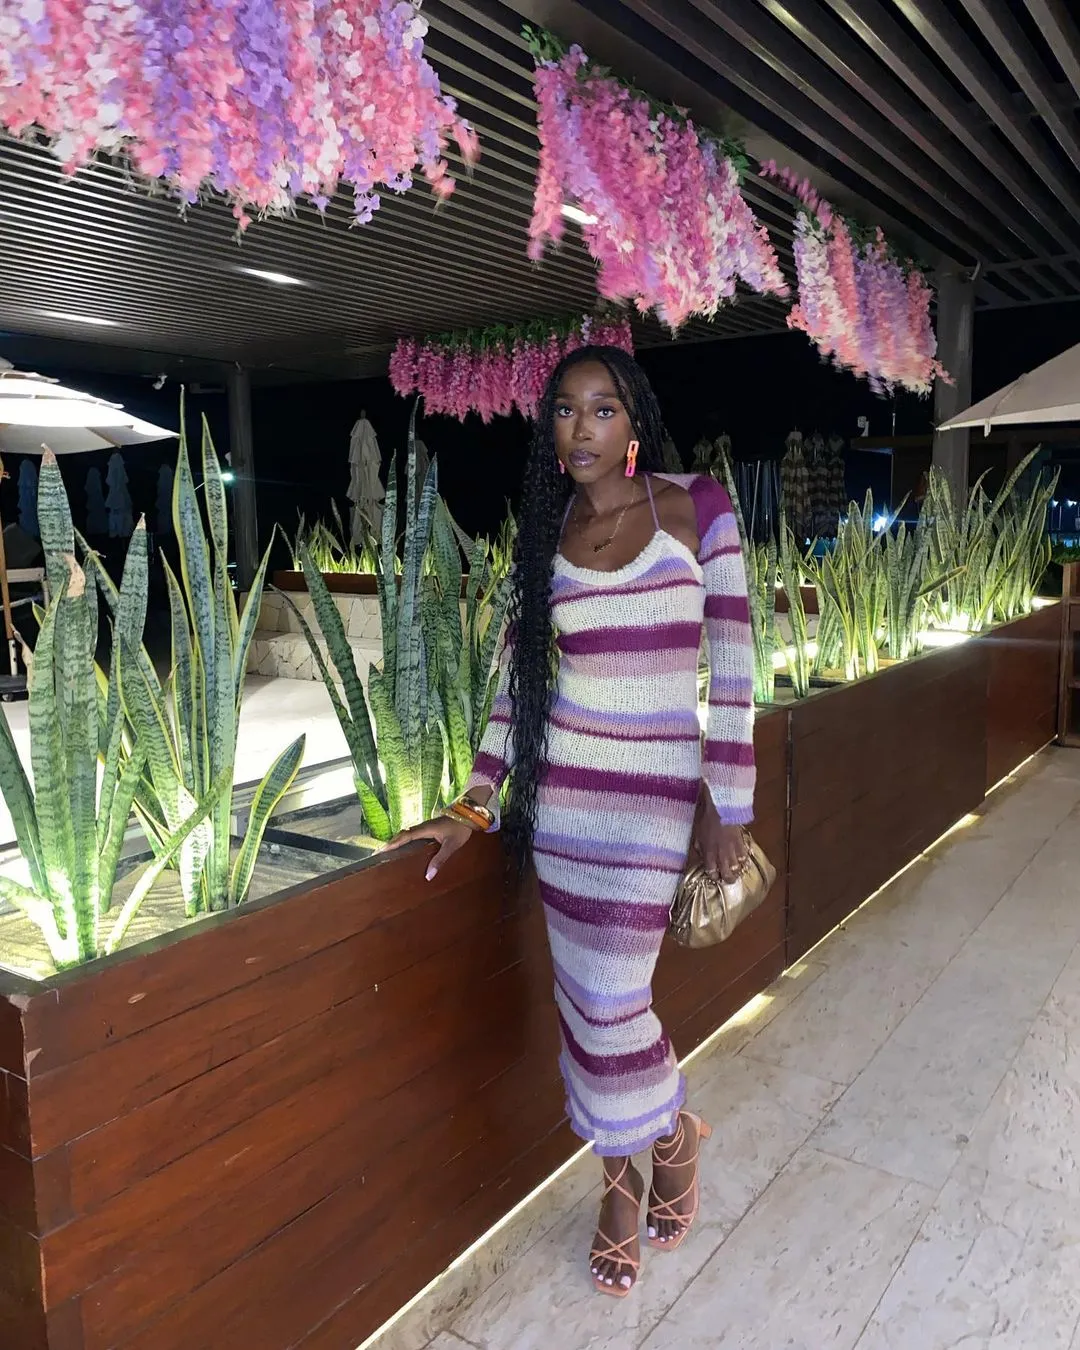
[187, 726]
[994, 547]
[329, 549]
[69, 826]
[792, 573]
[394, 734]
[852, 591]
[909, 587]
[414, 737]
[760, 563]
[461, 649]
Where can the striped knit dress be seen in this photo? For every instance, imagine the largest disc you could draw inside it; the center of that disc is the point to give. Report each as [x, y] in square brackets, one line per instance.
[617, 798]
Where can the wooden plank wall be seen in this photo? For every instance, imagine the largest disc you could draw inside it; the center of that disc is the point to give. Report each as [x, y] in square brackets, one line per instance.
[879, 770]
[275, 1131]
[697, 991]
[1022, 689]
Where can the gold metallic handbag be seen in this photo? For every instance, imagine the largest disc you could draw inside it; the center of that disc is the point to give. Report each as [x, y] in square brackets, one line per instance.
[706, 909]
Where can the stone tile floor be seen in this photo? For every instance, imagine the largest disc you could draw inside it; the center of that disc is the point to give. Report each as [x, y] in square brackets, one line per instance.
[895, 1163]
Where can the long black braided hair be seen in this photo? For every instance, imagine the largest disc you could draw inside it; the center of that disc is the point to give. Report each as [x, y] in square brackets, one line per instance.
[545, 495]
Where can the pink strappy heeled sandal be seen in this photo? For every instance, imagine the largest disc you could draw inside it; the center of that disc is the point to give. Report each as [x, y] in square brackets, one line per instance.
[616, 1251]
[666, 1211]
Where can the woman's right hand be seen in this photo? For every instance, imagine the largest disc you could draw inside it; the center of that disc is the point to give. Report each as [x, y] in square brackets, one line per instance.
[450, 835]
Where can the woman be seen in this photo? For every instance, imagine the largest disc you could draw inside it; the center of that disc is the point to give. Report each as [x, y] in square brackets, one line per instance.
[609, 788]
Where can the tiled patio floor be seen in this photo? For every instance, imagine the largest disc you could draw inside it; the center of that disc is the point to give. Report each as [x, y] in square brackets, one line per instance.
[897, 1132]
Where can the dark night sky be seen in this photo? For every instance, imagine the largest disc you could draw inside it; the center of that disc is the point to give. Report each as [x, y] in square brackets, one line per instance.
[755, 389]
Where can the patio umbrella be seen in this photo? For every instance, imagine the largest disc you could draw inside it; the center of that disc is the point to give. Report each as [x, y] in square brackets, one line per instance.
[97, 513]
[35, 409]
[38, 412]
[366, 491]
[1049, 393]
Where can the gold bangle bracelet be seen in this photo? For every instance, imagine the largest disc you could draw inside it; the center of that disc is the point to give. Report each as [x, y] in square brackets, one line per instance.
[476, 817]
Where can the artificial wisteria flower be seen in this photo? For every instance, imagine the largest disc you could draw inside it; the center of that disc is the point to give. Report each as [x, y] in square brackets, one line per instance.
[670, 229]
[493, 372]
[859, 304]
[264, 101]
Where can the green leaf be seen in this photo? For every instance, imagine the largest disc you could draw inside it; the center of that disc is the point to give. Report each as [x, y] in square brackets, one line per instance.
[74, 676]
[115, 826]
[50, 774]
[270, 791]
[172, 846]
[40, 913]
[378, 821]
[19, 799]
[361, 735]
[54, 522]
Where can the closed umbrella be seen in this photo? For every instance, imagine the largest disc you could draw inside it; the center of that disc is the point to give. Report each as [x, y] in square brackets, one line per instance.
[118, 498]
[28, 498]
[366, 491]
[97, 513]
[1049, 393]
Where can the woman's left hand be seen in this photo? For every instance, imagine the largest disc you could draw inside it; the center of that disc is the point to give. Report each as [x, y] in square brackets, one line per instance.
[722, 848]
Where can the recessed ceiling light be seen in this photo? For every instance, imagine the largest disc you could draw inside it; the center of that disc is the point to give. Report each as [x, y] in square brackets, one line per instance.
[278, 278]
[65, 317]
[577, 215]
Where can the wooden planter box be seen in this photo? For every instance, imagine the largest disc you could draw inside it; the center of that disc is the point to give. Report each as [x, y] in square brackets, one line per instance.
[228, 1138]
[883, 767]
[337, 583]
[1023, 660]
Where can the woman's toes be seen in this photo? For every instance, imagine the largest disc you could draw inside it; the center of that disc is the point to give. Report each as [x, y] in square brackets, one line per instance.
[626, 1281]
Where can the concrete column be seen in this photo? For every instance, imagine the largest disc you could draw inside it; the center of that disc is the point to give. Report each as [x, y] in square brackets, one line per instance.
[245, 520]
[955, 314]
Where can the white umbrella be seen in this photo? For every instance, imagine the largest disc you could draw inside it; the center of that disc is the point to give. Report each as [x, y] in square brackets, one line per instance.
[1049, 393]
[35, 412]
[35, 409]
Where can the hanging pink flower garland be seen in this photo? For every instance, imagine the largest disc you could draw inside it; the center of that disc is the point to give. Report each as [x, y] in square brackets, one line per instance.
[493, 371]
[671, 232]
[859, 304]
[263, 100]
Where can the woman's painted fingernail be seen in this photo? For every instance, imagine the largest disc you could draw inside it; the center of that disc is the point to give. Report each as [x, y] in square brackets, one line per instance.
[431, 874]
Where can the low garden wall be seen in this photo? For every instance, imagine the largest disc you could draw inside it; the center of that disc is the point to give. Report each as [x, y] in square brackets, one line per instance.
[273, 1130]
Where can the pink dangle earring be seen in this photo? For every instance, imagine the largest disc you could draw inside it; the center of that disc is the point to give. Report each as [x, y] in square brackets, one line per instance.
[631, 458]
[562, 467]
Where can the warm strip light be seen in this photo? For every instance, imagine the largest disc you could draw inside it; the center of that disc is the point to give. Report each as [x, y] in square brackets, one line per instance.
[746, 1014]
[943, 637]
[1043, 602]
[780, 658]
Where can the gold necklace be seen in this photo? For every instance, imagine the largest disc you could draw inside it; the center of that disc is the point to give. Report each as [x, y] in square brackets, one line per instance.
[599, 548]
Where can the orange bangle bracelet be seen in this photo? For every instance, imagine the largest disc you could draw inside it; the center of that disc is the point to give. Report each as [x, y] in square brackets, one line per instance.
[471, 814]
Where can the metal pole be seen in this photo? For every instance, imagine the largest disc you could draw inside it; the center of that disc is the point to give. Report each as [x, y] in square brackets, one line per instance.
[245, 519]
[955, 315]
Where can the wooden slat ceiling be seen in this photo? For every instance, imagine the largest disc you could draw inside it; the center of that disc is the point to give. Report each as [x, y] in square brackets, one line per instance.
[952, 122]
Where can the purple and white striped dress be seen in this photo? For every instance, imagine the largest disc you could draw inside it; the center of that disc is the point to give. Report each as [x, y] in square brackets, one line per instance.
[617, 798]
